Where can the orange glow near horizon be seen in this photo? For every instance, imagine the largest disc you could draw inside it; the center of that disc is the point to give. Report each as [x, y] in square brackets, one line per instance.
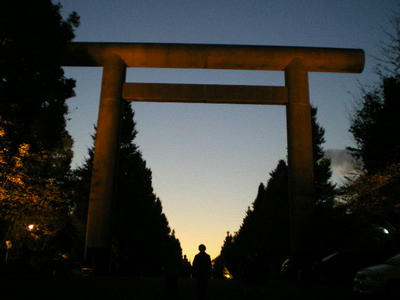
[190, 245]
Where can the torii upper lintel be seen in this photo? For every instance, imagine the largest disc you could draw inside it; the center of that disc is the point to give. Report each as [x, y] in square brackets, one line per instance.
[209, 56]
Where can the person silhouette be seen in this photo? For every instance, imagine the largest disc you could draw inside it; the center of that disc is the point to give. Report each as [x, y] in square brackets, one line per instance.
[201, 272]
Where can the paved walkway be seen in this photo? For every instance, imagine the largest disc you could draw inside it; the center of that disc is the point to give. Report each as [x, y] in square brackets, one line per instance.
[149, 289]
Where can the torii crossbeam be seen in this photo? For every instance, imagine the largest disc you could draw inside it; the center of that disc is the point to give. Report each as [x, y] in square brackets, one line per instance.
[296, 62]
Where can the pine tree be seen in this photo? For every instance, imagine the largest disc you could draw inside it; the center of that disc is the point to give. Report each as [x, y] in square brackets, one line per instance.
[374, 124]
[140, 228]
[255, 251]
[262, 242]
[323, 188]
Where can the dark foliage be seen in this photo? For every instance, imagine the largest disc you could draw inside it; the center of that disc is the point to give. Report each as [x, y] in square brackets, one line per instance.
[375, 125]
[257, 250]
[33, 89]
[143, 244]
[373, 196]
[322, 165]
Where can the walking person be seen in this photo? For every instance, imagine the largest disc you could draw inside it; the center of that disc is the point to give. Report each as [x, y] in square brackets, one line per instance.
[201, 272]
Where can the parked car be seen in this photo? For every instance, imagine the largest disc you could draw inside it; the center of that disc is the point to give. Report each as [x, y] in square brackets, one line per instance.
[299, 267]
[380, 279]
[340, 267]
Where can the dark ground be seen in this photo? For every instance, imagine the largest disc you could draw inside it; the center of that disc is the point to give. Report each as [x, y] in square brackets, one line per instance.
[149, 289]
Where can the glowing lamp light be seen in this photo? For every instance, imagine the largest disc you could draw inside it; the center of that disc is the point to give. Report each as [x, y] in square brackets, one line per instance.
[8, 244]
[383, 230]
[31, 227]
[227, 274]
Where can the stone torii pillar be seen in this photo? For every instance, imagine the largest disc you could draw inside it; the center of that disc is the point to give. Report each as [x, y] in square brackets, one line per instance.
[98, 233]
[300, 158]
[296, 62]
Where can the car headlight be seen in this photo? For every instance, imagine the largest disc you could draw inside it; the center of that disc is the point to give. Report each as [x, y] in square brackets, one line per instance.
[371, 277]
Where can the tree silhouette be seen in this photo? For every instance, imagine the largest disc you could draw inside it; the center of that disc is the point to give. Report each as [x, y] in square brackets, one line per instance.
[372, 196]
[257, 250]
[373, 123]
[262, 240]
[140, 228]
[33, 89]
[322, 165]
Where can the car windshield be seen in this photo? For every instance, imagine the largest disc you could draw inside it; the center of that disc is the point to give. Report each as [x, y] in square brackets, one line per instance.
[395, 260]
[329, 256]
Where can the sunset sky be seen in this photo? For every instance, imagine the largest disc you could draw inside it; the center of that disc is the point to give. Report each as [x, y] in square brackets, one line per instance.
[208, 160]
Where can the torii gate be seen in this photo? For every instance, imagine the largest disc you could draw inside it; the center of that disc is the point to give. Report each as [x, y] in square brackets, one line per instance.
[296, 62]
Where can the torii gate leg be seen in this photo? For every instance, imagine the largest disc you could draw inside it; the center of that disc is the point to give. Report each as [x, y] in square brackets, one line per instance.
[300, 159]
[98, 229]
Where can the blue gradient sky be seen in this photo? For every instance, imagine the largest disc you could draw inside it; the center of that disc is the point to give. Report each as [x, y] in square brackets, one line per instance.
[208, 160]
